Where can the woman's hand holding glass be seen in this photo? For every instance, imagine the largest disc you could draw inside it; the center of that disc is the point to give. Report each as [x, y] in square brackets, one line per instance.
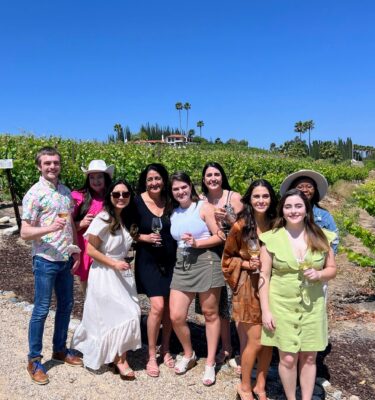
[220, 216]
[156, 227]
[309, 273]
[312, 274]
[254, 253]
[189, 240]
[121, 265]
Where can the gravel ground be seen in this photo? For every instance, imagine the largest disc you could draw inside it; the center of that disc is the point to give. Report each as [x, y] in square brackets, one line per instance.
[78, 383]
[349, 361]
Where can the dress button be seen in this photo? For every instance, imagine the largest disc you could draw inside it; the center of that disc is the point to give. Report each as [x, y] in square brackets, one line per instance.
[296, 310]
[295, 326]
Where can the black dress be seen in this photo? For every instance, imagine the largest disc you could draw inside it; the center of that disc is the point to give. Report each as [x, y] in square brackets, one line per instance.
[153, 265]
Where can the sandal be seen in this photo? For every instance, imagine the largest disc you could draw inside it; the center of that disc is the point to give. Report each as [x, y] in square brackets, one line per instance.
[184, 364]
[236, 364]
[209, 376]
[168, 360]
[223, 356]
[244, 395]
[126, 374]
[152, 368]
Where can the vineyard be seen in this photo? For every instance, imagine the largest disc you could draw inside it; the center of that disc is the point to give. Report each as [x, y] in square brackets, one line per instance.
[241, 164]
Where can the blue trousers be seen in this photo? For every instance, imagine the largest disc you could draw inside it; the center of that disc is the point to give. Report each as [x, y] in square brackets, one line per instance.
[49, 275]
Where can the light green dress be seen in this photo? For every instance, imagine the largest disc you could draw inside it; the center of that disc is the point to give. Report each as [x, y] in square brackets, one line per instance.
[299, 326]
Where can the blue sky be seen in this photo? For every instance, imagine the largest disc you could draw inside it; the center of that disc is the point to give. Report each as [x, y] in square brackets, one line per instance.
[250, 69]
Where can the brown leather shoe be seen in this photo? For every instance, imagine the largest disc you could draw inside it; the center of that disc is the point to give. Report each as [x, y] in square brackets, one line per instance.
[67, 358]
[37, 372]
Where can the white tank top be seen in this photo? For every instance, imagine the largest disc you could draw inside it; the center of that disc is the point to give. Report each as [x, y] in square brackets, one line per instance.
[188, 220]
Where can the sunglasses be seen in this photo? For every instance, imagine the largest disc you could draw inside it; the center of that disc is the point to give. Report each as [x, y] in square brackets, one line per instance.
[117, 195]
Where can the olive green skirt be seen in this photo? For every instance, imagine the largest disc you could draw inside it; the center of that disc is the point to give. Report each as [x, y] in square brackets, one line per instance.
[198, 271]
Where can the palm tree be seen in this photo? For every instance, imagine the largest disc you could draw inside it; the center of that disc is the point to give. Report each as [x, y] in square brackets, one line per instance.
[191, 134]
[179, 107]
[309, 125]
[200, 124]
[187, 107]
[300, 128]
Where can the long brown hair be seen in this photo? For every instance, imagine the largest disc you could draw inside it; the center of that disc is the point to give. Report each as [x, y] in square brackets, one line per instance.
[247, 214]
[315, 237]
[115, 222]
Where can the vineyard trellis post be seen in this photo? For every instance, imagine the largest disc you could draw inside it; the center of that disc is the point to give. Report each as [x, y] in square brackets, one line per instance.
[7, 165]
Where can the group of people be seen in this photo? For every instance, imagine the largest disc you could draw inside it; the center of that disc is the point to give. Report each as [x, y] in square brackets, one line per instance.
[249, 258]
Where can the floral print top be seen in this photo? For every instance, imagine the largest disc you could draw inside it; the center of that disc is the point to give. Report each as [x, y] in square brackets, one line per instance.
[41, 206]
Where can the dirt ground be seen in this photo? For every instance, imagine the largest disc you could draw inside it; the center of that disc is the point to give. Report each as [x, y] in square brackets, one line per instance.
[348, 362]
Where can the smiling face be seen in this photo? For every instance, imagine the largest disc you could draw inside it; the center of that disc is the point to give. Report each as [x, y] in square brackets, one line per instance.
[213, 178]
[260, 199]
[50, 167]
[154, 182]
[306, 186]
[97, 182]
[294, 210]
[181, 192]
[120, 203]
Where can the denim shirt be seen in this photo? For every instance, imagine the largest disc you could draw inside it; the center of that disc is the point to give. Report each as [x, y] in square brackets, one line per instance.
[325, 220]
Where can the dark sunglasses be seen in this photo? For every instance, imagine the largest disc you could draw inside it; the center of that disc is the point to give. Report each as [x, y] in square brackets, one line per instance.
[117, 195]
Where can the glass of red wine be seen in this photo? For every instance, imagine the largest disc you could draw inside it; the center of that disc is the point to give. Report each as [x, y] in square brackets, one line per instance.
[129, 258]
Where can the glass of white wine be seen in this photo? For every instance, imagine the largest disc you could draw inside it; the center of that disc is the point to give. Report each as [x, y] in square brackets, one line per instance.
[304, 265]
[63, 214]
[156, 227]
[254, 250]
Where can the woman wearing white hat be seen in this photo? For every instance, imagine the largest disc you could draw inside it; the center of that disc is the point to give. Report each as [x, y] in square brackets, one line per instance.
[314, 185]
[88, 203]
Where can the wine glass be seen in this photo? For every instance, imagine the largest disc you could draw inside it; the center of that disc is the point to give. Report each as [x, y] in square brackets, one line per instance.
[156, 227]
[253, 250]
[304, 265]
[64, 213]
[184, 248]
[129, 258]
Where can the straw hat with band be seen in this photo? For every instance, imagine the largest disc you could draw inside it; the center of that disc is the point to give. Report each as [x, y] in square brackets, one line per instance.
[319, 179]
[99, 166]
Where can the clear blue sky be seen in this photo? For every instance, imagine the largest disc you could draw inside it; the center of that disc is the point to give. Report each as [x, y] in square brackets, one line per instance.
[250, 69]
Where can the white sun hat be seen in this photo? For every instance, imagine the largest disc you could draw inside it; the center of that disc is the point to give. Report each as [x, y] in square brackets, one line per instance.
[319, 179]
[99, 166]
